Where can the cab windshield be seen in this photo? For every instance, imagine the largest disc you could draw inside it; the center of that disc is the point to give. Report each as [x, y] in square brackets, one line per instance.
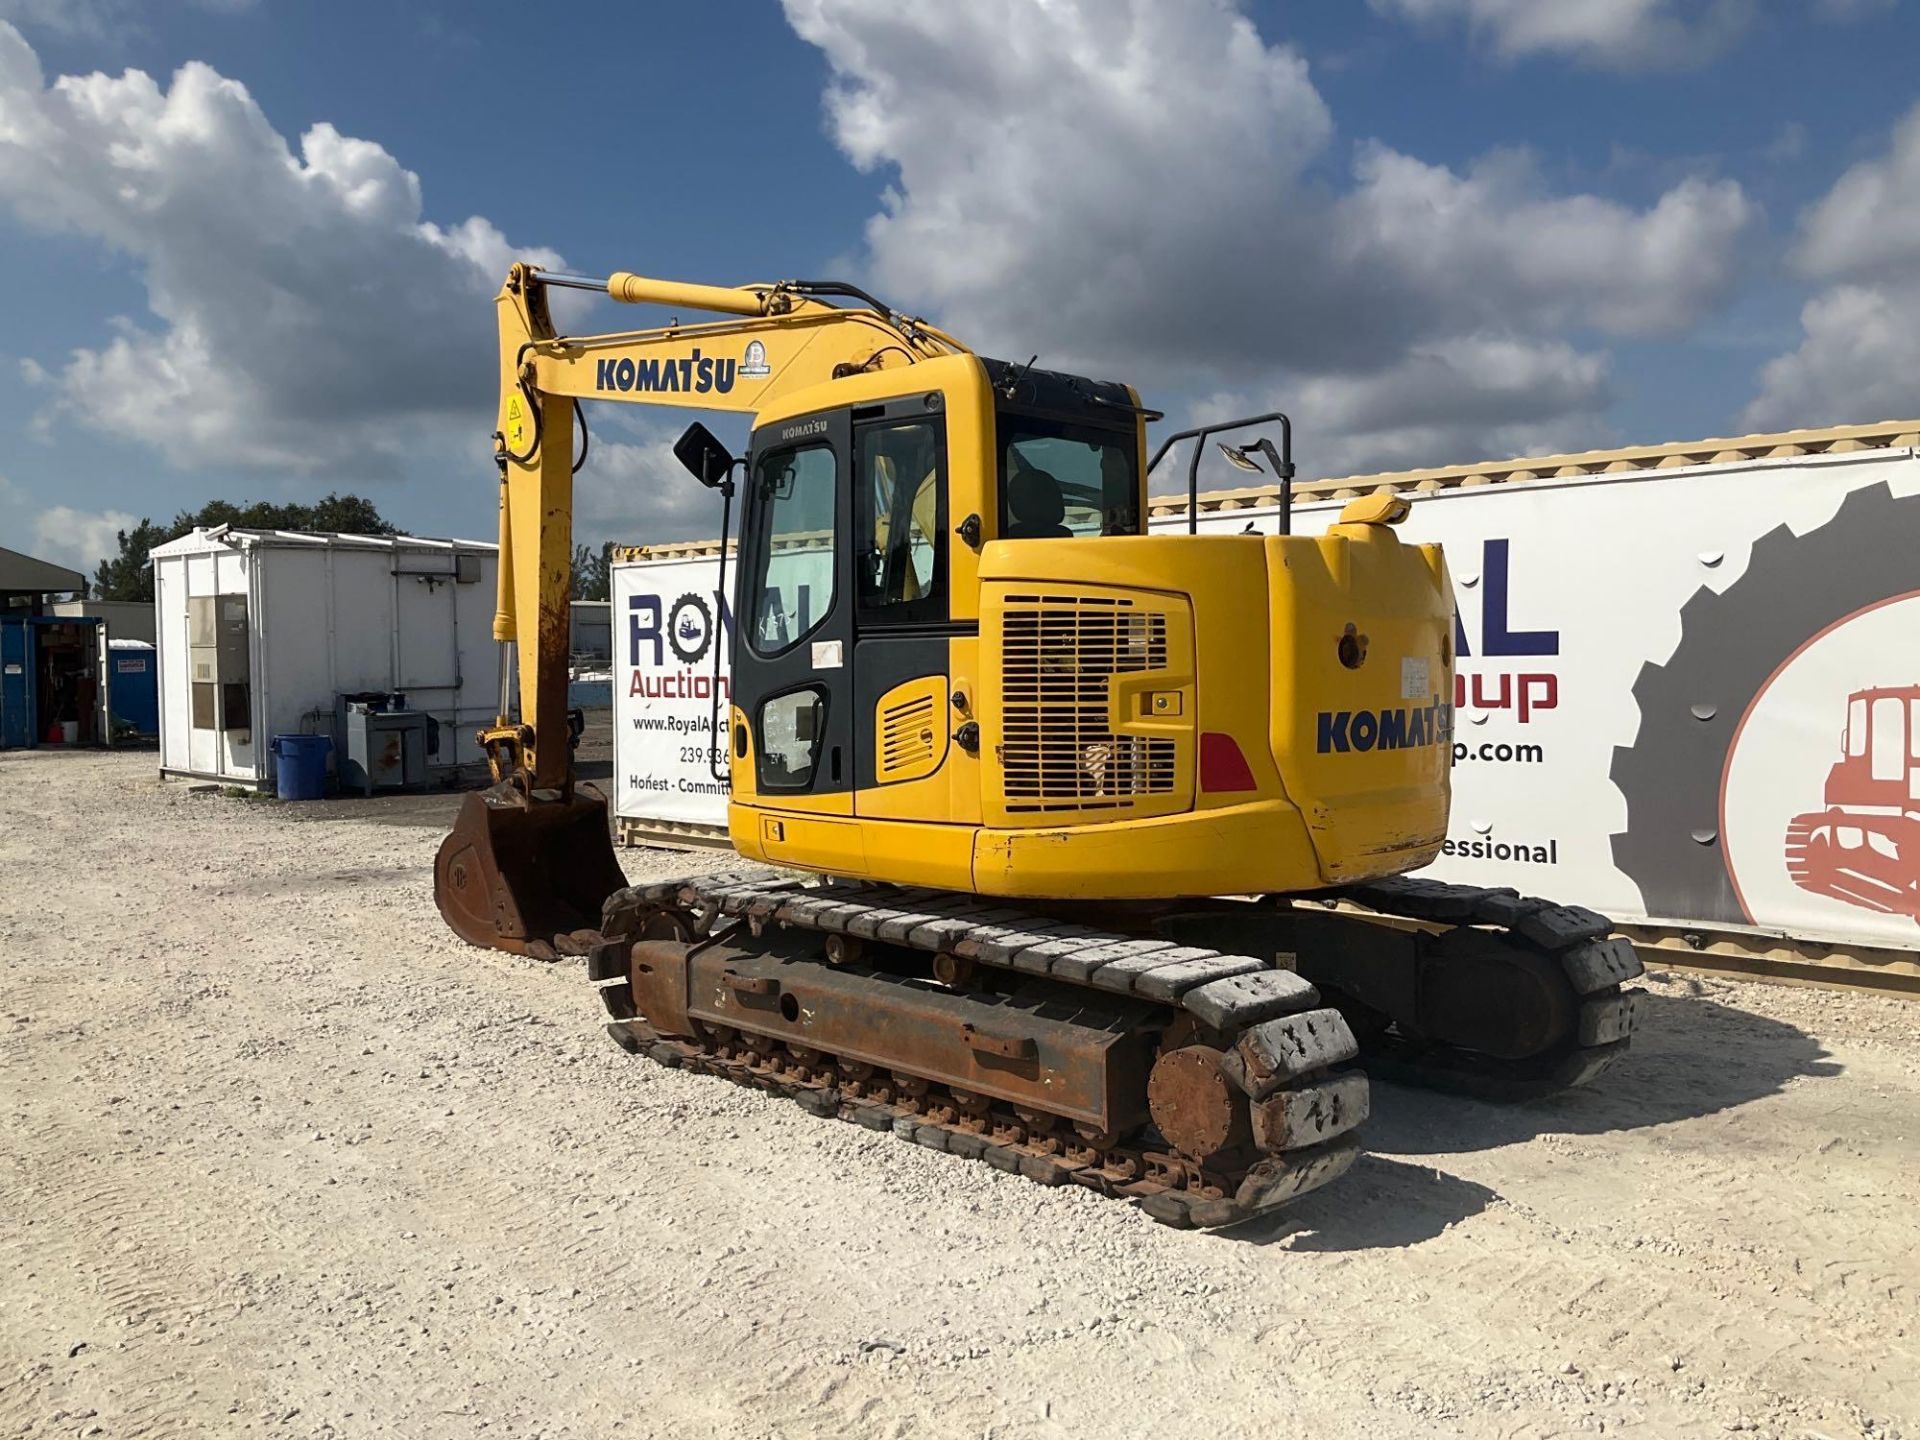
[1060, 479]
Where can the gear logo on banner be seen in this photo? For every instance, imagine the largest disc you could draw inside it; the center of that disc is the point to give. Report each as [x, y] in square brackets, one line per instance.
[689, 628]
[1799, 682]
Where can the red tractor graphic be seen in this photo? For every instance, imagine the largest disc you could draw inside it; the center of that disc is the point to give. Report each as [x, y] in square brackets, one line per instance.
[1864, 848]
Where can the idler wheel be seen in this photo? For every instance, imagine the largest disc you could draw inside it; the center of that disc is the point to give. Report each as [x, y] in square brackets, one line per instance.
[1200, 1111]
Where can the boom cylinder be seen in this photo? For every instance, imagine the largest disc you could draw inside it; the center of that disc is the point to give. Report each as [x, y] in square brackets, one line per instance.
[631, 289]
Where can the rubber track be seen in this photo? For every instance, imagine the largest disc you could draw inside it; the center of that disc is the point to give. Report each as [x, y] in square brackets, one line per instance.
[1226, 993]
[1579, 940]
[1167, 1186]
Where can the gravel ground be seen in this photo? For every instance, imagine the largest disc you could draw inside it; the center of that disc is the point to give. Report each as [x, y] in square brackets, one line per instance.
[281, 1157]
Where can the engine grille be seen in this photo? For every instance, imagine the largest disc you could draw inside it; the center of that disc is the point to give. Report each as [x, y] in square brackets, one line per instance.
[1058, 655]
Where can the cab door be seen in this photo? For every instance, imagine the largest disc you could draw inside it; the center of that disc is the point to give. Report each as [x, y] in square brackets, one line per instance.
[793, 606]
[903, 721]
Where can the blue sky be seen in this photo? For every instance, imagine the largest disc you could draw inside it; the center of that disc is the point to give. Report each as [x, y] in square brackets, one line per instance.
[1433, 230]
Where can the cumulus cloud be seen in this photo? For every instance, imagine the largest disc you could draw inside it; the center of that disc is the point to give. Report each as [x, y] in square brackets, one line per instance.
[1112, 157]
[1477, 397]
[633, 490]
[1858, 360]
[1613, 34]
[305, 313]
[1867, 227]
[59, 534]
[1493, 246]
[1146, 191]
[1608, 34]
[79, 539]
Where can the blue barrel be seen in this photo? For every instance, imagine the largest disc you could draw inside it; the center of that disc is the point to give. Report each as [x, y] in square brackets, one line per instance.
[300, 766]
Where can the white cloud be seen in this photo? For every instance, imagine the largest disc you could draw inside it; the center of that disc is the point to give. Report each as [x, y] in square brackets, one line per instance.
[1103, 157]
[1788, 145]
[59, 534]
[308, 315]
[1138, 188]
[79, 539]
[1473, 398]
[634, 491]
[1493, 245]
[1868, 225]
[1858, 360]
[1610, 34]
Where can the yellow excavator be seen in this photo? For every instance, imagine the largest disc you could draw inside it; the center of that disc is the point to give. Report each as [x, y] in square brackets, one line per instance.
[1090, 846]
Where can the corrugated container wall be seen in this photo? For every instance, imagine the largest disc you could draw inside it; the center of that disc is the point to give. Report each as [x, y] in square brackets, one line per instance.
[258, 632]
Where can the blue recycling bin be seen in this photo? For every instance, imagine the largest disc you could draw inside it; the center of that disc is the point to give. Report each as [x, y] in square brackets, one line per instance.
[300, 766]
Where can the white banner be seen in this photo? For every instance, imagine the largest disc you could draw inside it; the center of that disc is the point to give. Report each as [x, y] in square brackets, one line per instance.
[668, 618]
[1685, 695]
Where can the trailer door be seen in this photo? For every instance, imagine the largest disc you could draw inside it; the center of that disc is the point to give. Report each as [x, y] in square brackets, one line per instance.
[16, 684]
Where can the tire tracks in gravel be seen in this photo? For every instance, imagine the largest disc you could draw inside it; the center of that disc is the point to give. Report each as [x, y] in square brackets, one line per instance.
[412, 1189]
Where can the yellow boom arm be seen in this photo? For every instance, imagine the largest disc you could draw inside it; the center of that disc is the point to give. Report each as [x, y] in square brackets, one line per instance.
[780, 339]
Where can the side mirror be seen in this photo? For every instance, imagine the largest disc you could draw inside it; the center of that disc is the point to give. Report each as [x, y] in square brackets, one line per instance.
[706, 459]
[1239, 458]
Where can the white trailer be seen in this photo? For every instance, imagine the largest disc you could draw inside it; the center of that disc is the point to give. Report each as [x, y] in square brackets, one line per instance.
[1687, 690]
[259, 631]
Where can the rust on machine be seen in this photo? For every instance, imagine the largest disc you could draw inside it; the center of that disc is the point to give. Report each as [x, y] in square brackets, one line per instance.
[1064, 1053]
[524, 872]
[1207, 1086]
[1084, 1062]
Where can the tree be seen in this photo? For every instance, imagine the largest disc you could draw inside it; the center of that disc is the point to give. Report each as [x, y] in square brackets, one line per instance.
[593, 573]
[128, 576]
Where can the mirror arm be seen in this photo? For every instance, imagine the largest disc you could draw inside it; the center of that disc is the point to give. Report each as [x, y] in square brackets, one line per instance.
[1199, 436]
[719, 736]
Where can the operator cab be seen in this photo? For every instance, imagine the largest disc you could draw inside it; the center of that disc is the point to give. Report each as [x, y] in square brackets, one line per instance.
[1067, 453]
[859, 547]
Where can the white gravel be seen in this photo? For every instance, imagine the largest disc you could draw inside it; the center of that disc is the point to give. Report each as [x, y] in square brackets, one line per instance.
[280, 1156]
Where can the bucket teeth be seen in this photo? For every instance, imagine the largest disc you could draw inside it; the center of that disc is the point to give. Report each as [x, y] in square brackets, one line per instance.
[528, 875]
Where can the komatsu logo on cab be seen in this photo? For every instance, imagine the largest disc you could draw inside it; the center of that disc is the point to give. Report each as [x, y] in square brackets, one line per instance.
[696, 374]
[1405, 729]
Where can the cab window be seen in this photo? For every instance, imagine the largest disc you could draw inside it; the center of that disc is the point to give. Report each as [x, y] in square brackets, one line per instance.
[1059, 479]
[792, 569]
[791, 729]
[900, 513]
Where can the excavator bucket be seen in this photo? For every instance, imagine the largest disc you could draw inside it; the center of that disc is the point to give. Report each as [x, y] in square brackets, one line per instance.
[515, 872]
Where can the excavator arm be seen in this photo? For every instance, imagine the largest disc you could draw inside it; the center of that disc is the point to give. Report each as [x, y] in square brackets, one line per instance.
[530, 859]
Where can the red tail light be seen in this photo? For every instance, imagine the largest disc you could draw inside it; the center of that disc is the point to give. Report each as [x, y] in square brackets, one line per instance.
[1223, 769]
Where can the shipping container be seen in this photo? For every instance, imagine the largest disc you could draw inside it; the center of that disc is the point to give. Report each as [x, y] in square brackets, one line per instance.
[590, 641]
[51, 690]
[1687, 689]
[261, 631]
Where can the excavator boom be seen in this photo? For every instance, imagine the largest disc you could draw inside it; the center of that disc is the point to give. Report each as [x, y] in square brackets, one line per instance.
[530, 859]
